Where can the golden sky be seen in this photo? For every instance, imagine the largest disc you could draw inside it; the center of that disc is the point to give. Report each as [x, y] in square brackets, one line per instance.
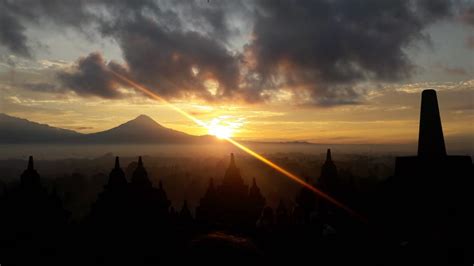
[288, 84]
[390, 115]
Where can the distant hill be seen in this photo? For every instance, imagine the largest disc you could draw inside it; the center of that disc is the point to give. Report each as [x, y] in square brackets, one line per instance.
[142, 129]
[15, 130]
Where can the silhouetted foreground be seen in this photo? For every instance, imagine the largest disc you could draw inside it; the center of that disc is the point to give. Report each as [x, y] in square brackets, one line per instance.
[422, 214]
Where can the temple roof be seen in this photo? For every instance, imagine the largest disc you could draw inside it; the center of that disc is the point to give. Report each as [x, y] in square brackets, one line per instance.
[232, 174]
[117, 176]
[328, 155]
[30, 178]
[140, 175]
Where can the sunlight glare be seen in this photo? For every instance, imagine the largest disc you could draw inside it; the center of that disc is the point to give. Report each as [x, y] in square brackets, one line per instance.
[221, 132]
[220, 128]
[224, 133]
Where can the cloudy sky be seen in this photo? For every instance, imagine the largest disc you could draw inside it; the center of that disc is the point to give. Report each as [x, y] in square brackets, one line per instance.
[327, 71]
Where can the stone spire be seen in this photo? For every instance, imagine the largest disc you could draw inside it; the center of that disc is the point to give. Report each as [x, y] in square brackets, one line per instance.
[161, 194]
[117, 176]
[255, 190]
[30, 178]
[430, 139]
[232, 161]
[328, 174]
[140, 175]
[328, 156]
[232, 174]
[256, 201]
[210, 194]
[117, 163]
[30, 163]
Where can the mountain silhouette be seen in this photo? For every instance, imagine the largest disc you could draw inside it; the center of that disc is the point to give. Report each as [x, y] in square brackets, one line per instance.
[142, 129]
[15, 130]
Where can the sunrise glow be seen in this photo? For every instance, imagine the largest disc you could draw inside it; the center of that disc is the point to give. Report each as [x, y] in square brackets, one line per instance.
[222, 128]
[220, 131]
[242, 131]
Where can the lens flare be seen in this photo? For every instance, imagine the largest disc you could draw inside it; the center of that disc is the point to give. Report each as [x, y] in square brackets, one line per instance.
[226, 135]
[224, 126]
[293, 177]
[220, 131]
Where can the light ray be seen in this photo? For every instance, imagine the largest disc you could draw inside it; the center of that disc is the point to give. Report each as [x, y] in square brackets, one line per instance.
[243, 148]
[158, 98]
[293, 177]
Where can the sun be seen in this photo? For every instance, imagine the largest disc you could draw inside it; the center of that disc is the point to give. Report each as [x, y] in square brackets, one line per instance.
[220, 131]
[222, 127]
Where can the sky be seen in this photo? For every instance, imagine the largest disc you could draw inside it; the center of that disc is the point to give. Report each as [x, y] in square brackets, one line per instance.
[327, 71]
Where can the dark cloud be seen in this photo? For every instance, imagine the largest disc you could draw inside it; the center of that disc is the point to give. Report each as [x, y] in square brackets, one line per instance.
[432, 10]
[164, 59]
[160, 54]
[92, 77]
[12, 34]
[328, 46]
[16, 15]
[43, 87]
[85, 14]
[320, 50]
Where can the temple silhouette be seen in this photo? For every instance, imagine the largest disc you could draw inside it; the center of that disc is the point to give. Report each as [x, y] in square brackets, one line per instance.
[121, 200]
[430, 194]
[32, 218]
[232, 202]
[422, 213]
